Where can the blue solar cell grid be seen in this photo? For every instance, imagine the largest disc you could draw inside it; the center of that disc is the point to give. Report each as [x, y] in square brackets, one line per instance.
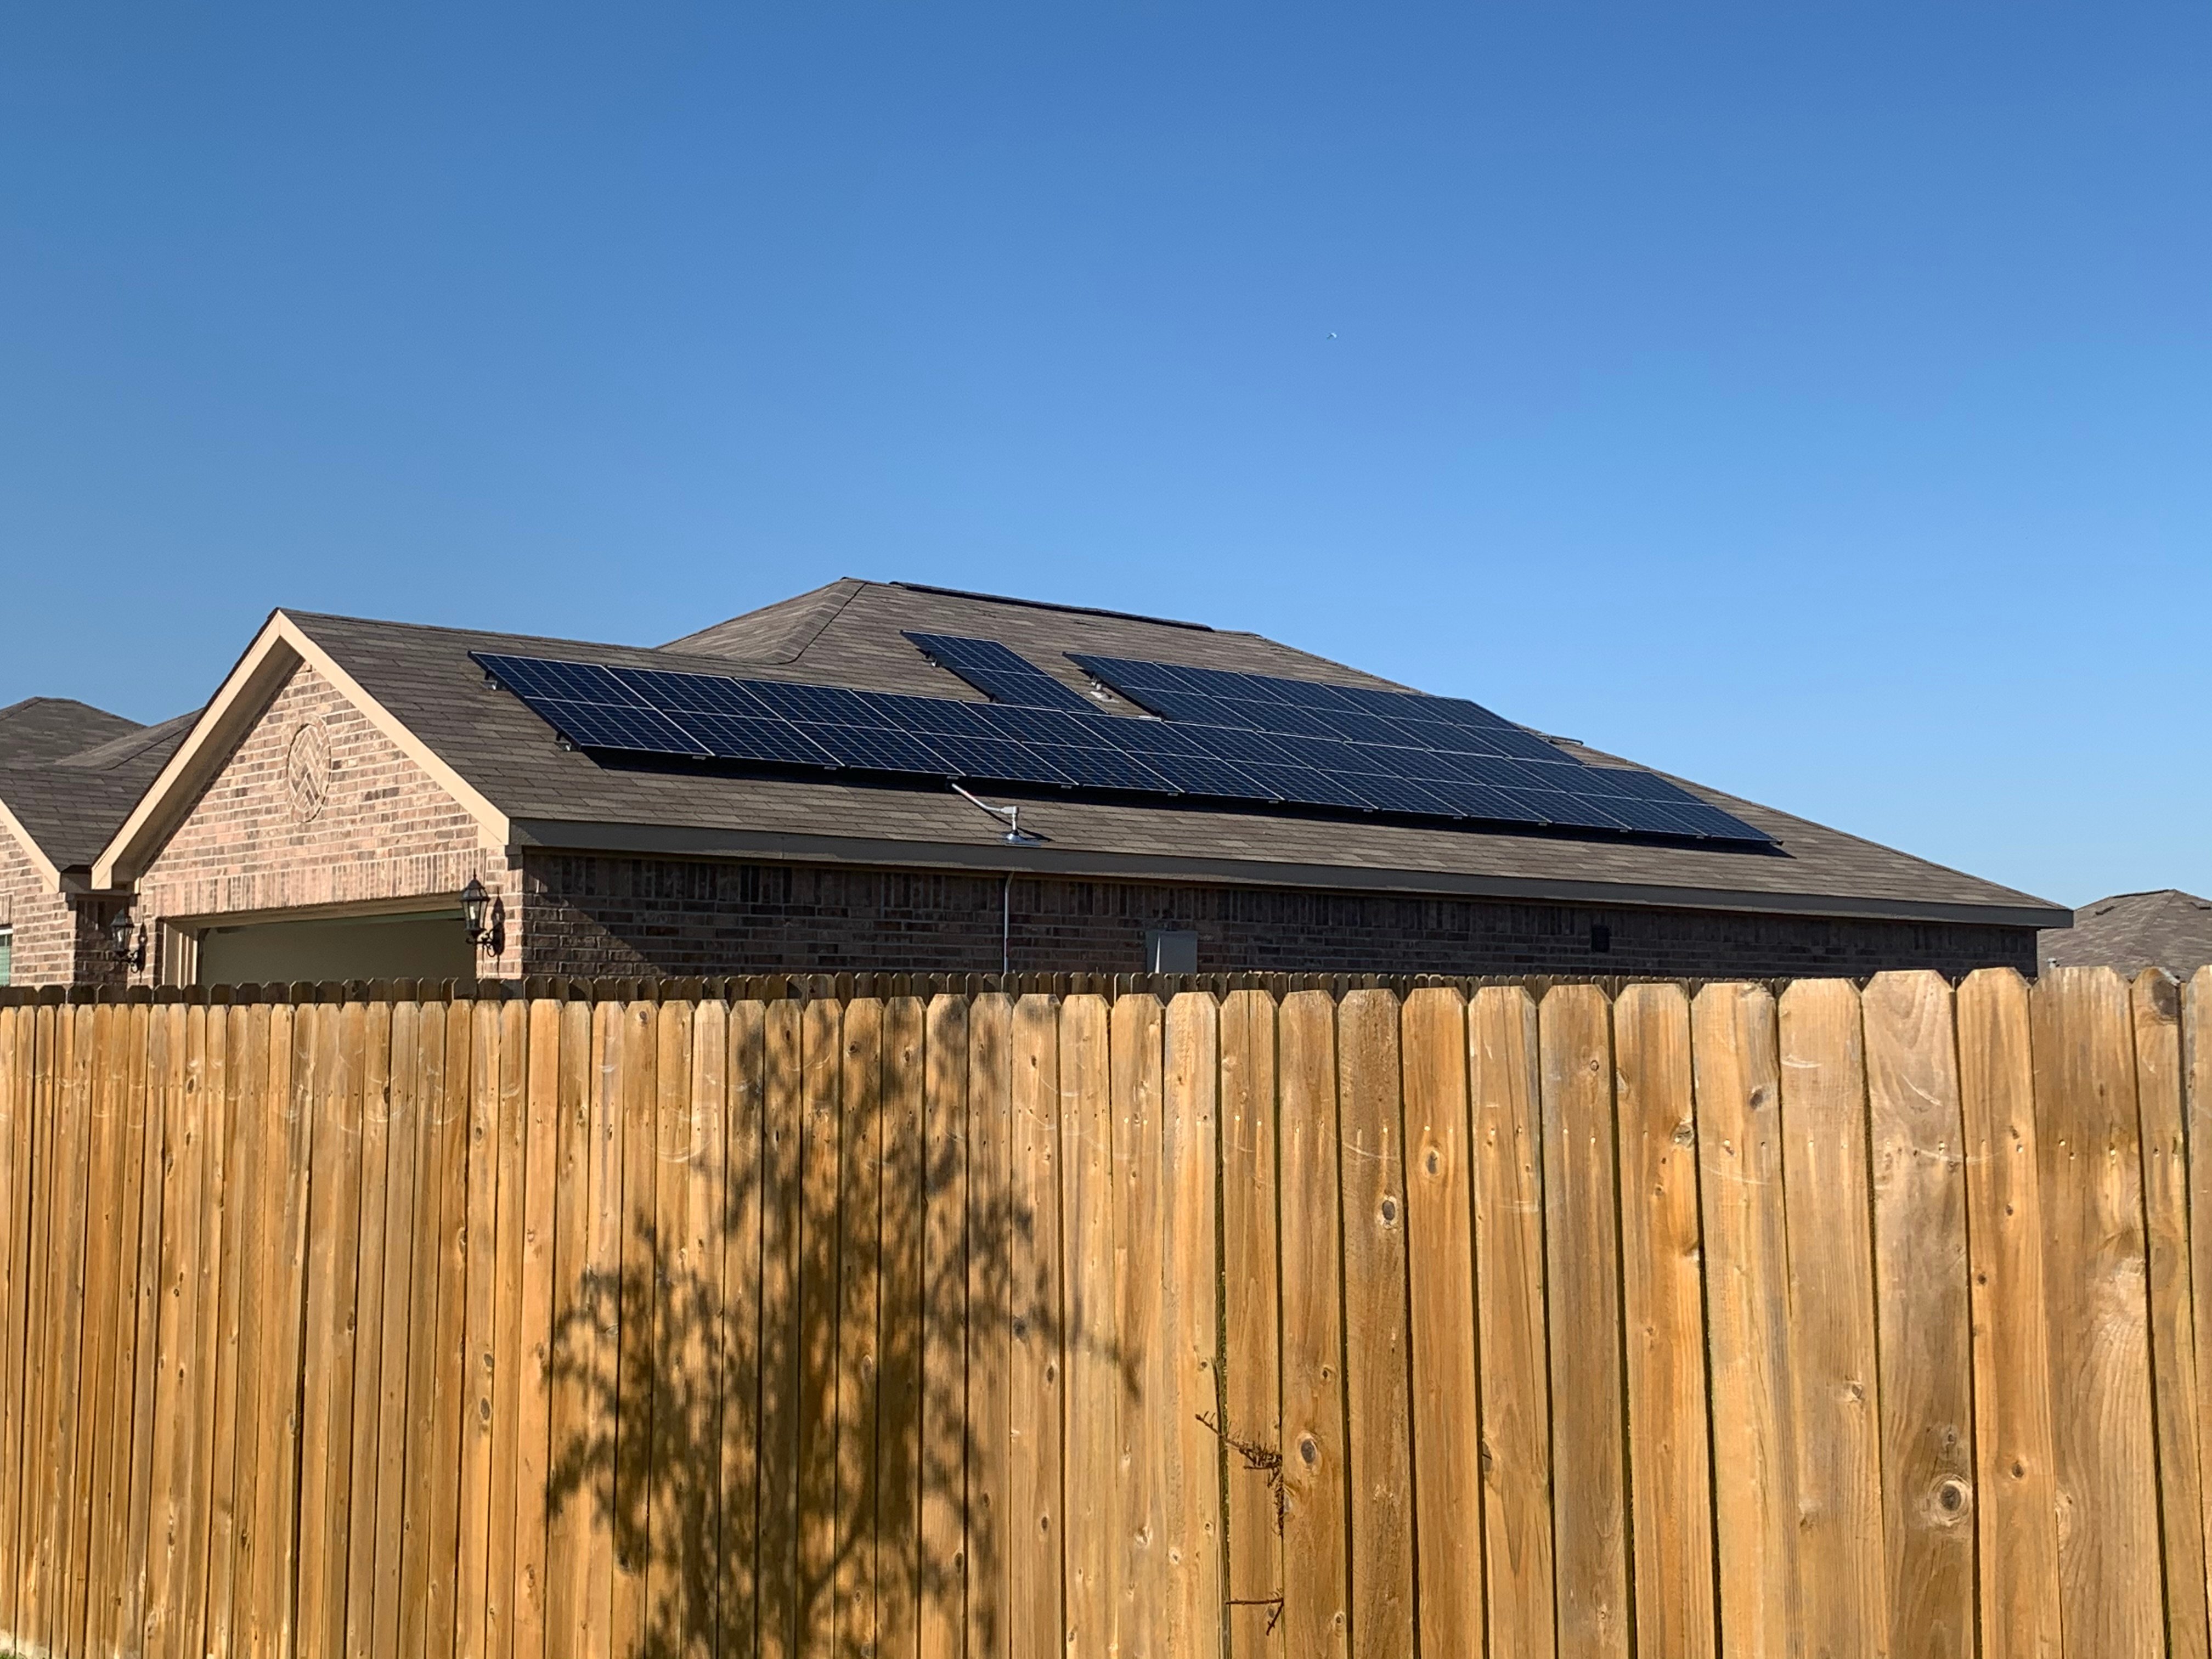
[1227, 737]
[999, 673]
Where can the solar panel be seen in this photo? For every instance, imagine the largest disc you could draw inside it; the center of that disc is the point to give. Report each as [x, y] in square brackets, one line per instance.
[1227, 737]
[1001, 675]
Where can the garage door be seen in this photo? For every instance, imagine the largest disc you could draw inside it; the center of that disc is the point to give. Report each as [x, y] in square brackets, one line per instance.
[425, 946]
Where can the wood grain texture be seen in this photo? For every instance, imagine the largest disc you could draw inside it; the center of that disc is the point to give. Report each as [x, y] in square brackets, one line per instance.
[745, 1195]
[1739, 1153]
[1191, 1504]
[779, 1363]
[1440, 1251]
[1663, 1314]
[1091, 1557]
[2016, 1504]
[1251, 1315]
[1922, 1288]
[1831, 1357]
[1504, 1086]
[858, 1218]
[1582, 1272]
[2155, 1000]
[822, 1071]
[1317, 1595]
[18, 1064]
[2197, 1112]
[1371, 1153]
[472, 1601]
[944, 1614]
[404, 1139]
[1035, 1355]
[2110, 1592]
[990, 1213]
[508, 1154]
[899, 1453]
[371, 1282]
[545, 1121]
[1141, 1432]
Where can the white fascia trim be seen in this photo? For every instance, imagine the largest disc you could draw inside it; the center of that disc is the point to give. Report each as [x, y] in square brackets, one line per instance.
[281, 647]
[45, 865]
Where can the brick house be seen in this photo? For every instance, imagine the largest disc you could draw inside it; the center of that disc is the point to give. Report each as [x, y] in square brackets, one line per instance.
[69, 774]
[350, 780]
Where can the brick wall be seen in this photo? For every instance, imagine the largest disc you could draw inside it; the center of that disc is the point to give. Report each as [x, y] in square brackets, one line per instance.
[55, 942]
[381, 830]
[592, 916]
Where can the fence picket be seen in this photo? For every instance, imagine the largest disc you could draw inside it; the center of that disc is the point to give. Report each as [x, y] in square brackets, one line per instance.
[859, 1222]
[1740, 1151]
[2108, 1567]
[1922, 1291]
[1581, 1276]
[944, 1612]
[1189, 1158]
[1372, 1192]
[1251, 1421]
[2156, 1008]
[1503, 1090]
[1831, 1357]
[2196, 1116]
[1440, 1249]
[1663, 1311]
[903, 1300]
[1036, 1359]
[1317, 1594]
[1092, 1394]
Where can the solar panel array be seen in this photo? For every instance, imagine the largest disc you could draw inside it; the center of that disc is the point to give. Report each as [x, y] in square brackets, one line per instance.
[1225, 738]
[999, 673]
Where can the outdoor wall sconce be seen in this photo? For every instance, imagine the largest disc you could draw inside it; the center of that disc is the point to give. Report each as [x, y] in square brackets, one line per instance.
[475, 913]
[131, 952]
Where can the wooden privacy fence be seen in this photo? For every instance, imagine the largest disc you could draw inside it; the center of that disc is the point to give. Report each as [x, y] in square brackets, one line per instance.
[1836, 1322]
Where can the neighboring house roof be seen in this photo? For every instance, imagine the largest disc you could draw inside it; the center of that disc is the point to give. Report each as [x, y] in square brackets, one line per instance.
[67, 807]
[39, 729]
[508, 767]
[2131, 931]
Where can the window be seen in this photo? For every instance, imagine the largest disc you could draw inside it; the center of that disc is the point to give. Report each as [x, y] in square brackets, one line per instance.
[6, 954]
[1170, 952]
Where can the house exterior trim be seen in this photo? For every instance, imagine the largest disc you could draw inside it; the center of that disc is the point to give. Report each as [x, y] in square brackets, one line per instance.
[32, 851]
[281, 647]
[696, 841]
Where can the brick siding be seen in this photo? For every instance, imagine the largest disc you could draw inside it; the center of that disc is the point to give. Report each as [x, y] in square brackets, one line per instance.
[56, 942]
[593, 915]
[385, 830]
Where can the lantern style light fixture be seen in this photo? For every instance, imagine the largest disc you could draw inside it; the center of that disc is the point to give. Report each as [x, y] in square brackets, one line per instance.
[122, 945]
[475, 913]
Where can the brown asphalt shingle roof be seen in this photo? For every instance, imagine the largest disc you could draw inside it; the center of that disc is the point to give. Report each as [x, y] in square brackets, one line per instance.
[2167, 929]
[849, 633]
[72, 804]
[41, 729]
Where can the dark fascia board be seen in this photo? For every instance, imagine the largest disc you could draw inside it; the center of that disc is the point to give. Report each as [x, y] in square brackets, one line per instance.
[994, 858]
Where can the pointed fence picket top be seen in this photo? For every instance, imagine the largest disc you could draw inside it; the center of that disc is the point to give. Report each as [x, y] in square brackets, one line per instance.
[882, 1315]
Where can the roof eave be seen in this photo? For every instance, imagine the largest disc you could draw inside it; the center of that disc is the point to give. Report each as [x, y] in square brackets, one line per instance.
[679, 840]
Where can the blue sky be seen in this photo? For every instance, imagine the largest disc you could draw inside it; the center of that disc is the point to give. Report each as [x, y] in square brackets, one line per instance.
[1814, 400]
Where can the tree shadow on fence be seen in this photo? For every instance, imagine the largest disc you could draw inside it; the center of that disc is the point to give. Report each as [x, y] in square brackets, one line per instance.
[773, 1437]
